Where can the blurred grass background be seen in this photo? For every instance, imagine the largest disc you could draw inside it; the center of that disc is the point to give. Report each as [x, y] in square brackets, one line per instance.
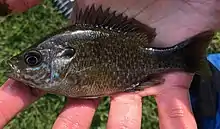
[20, 31]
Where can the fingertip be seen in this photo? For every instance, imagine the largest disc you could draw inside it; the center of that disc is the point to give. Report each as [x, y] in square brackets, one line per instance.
[14, 97]
[16, 6]
[125, 111]
[76, 114]
[18, 89]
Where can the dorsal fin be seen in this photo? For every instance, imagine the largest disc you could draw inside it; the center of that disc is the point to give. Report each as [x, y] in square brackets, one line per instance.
[110, 20]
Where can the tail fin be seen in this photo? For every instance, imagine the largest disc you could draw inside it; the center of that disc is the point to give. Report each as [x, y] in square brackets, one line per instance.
[194, 52]
[189, 54]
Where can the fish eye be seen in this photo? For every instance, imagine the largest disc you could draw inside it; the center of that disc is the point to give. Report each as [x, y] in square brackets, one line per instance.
[33, 58]
[68, 52]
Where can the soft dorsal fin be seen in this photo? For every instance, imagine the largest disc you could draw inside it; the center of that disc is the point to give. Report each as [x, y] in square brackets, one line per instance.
[110, 20]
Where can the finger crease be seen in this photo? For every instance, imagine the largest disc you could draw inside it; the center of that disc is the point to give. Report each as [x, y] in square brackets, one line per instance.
[176, 112]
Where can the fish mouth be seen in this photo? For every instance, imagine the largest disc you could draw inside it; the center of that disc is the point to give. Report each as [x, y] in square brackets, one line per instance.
[12, 71]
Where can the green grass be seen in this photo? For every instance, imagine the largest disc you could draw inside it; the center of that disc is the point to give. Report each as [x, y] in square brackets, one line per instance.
[20, 31]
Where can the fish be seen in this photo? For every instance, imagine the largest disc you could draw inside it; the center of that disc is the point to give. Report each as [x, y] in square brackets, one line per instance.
[103, 53]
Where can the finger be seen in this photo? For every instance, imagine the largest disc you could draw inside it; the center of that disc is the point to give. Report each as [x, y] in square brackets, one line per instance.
[125, 112]
[173, 101]
[14, 6]
[77, 114]
[174, 110]
[14, 97]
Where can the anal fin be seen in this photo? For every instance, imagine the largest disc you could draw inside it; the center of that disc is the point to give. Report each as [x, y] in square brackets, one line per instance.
[148, 82]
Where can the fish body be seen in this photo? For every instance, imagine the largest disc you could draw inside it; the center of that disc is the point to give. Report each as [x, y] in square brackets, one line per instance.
[102, 54]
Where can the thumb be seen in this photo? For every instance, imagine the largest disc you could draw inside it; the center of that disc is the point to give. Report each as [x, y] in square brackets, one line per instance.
[15, 6]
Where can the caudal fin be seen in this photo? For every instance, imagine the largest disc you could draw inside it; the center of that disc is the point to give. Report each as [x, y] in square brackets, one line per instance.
[189, 55]
[194, 53]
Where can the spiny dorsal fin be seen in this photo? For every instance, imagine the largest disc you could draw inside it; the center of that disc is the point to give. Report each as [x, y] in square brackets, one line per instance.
[110, 20]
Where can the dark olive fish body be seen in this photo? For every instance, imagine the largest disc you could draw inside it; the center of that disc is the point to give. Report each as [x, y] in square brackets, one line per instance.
[102, 54]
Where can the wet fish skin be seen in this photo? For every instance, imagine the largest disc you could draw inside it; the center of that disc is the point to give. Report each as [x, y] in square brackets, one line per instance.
[102, 54]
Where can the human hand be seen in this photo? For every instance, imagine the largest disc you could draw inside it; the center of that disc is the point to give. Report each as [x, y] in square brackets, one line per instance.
[125, 110]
